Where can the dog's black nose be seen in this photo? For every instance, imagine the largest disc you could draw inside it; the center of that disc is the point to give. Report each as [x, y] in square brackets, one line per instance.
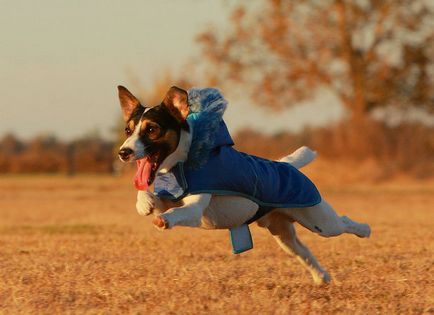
[125, 153]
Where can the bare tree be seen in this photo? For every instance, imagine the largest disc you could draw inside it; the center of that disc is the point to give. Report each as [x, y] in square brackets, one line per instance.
[370, 53]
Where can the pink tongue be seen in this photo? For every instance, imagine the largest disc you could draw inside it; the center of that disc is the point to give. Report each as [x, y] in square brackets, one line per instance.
[142, 175]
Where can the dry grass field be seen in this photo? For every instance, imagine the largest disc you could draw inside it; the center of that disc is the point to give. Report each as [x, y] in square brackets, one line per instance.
[77, 246]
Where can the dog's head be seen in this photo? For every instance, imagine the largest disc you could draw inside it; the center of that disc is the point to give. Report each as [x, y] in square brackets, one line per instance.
[157, 137]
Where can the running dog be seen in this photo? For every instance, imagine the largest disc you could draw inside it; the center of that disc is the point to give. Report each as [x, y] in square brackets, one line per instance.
[185, 137]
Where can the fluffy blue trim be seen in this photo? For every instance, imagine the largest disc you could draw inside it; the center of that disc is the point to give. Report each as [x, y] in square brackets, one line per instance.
[207, 107]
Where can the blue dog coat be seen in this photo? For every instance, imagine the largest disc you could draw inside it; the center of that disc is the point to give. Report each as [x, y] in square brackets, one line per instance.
[227, 171]
[214, 166]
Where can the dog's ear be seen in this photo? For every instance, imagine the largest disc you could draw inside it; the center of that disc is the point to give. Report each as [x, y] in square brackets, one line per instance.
[176, 101]
[128, 102]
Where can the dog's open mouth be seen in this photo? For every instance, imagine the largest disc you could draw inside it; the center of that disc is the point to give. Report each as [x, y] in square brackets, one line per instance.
[146, 171]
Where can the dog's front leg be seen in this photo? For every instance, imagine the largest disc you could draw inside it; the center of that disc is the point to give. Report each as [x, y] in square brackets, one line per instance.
[189, 214]
[145, 202]
[148, 203]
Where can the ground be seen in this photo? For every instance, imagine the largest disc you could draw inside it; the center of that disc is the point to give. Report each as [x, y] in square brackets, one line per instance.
[77, 246]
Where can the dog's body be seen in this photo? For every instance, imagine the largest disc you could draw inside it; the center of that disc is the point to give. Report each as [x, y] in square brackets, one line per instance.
[163, 141]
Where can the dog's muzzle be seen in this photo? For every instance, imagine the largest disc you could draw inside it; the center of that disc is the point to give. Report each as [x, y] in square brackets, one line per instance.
[125, 154]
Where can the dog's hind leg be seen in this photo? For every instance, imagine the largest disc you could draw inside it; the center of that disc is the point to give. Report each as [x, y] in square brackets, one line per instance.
[323, 220]
[284, 233]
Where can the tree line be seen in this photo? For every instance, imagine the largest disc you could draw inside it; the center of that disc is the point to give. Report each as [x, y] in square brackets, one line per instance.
[47, 154]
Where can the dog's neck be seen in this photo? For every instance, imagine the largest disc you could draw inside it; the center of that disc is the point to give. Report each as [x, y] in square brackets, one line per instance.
[180, 154]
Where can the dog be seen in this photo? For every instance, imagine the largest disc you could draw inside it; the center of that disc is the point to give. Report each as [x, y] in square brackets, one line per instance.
[160, 137]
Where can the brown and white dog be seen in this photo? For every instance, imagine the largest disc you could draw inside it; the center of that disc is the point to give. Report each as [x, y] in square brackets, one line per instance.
[159, 137]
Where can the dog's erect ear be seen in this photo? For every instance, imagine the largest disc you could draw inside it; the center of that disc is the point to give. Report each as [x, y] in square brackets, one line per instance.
[128, 102]
[176, 101]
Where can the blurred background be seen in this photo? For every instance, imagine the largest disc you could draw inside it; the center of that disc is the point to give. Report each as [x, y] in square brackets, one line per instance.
[352, 79]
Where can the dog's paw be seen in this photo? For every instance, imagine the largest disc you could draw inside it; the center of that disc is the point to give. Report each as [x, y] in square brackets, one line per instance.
[321, 278]
[145, 202]
[160, 223]
[358, 229]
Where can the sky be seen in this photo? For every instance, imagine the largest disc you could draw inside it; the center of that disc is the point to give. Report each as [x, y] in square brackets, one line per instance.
[60, 63]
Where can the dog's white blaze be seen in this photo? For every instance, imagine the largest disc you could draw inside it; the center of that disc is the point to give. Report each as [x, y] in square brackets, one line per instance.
[133, 142]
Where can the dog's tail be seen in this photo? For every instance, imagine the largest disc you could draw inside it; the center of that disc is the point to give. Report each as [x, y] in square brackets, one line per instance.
[300, 157]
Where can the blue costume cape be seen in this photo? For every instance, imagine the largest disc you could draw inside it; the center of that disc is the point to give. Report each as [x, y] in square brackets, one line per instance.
[214, 166]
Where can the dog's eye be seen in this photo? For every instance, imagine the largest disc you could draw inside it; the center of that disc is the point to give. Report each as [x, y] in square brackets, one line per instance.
[152, 131]
[128, 131]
